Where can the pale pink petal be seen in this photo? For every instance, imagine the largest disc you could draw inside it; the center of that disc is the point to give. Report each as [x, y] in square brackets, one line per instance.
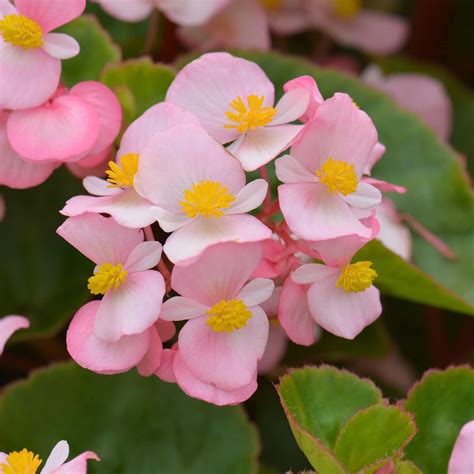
[462, 456]
[316, 99]
[340, 313]
[366, 196]
[249, 198]
[99, 187]
[91, 165]
[166, 329]
[57, 458]
[256, 291]
[196, 388]
[276, 348]
[6, 8]
[271, 305]
[170, 221]
[8, 326]
[179, 308]
[152, 359]
[58, 131]
[312, 272]
[3, 458]
[191, 240]
[107, 106]
[51, 14]
[98, 355]
[165, 371]
[218, 274]
[227, 360]
[263, 144]
[39, 74]
[377, 153]
[132, 308]
[191, 12]
[292, 105]
[144, 256]
[207, 85]
[291, 18]
[384, 186]
[61, 46]
[313, 213]
[290, 170]
[77, 465]
[99, 238]
[128, 10]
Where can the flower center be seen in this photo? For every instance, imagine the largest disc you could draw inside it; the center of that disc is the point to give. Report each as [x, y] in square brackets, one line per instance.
[356, 277]
[22, 31]
[206, 198]
[228, 315]
[339, 176]
[22, 462]
[347, 9]
[271, 5]
[122, 175]
[107, 276]
[249, 116]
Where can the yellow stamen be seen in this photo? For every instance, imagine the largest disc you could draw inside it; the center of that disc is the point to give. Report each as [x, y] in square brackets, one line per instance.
[21, 462]
[347, 9]
[339, 176]
[107, 277]
[22, 31]
[122, 175]
[206, 198]
[271, 5]
[249, 116]
[356, 277]
[228, 315]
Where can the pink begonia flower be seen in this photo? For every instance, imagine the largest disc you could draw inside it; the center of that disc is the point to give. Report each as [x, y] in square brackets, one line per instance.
[9, 325]
[227, 331]
[55, 464]
[462, 456]
[132, 292]
[323, 173]
[234, 100]
[74, 124]
[371, 31]
[15, 172]
[182, 12]
[117, 196]
[93, 165]
[200, 193]
[30, 55]
[341, 297]
[422, 95]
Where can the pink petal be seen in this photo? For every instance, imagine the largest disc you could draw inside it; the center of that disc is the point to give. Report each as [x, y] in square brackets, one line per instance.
[77, 465]
[165, 371]
[291, 18]
[316, 99]
[275, 350]
[190, 12]
[340, 313]
[256, 291]
[99, 187]
[51, 14]
[107, 106]
[57, 458]
[207, 85]
[196, 388]
[99, 238]
[92, 165]
[144, 256]
[152, 359]
[271, 305]
[249, 197]
[263, 144]
[132, 308]
[312, 272]
[462, 456]
[365, 197]
[191, 240]
[58, 131]
[6, 8]
[8, 326]
[170, 221]
[227, 360]
[166, 329]
[133, 11]
[39, 74]
[61, 46]
[98, 355]
[291, 106]
[290, 170]
[377, 153]
[179, 308]
[220, 273]
[384, 186]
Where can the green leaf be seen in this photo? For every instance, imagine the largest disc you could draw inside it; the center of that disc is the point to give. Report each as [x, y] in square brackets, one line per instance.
[406, 467]
[147, 82]
[41, 276]
[373, 435]
[442, 403]
[438, 195]
[136, 425]
[97, 50]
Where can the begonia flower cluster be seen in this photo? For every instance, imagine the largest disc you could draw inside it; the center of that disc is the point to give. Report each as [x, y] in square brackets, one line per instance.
[235, 271]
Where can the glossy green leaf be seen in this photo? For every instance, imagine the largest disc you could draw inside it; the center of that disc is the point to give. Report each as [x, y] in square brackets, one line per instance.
[41, 276]
[97, 50]
[136, 425]
[442, 403]
[373, 435]
[147, 82]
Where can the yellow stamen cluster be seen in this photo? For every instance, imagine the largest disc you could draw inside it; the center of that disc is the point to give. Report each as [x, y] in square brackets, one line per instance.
[250, 116]
[107, 276]
[339, 176]
[21, 462]
[122, 175]
[347, 9]
[228, 315]
[356, 277]
[22, 31]
[271, 5]
[206, 199]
